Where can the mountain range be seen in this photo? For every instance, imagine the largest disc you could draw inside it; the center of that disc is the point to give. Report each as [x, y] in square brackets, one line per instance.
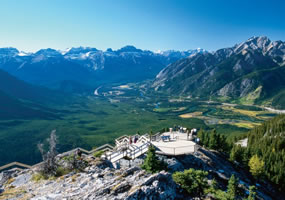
[85, 66]
[250, 72]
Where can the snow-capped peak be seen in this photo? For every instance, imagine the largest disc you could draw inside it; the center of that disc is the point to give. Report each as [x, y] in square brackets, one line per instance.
[22, 53]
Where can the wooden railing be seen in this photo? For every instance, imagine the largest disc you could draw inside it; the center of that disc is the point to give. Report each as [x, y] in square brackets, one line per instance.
[130, 151]
[181, 150]
[15, 164]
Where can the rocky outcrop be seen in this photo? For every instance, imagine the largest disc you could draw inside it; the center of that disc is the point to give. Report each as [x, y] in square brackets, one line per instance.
[100, 181]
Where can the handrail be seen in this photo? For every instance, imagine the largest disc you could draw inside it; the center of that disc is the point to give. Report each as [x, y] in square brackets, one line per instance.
[194, 149]
[140, 149]
[102, 148]
[178, 147]
[128, 152]
[119, 138]
[15, 163]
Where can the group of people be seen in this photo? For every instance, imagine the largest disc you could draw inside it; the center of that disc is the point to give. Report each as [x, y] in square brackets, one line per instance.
[133, 139]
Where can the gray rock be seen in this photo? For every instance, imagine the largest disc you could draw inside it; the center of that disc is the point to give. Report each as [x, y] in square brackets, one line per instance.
[174, 165]
[130, 171]
[122, 187]
[22, 180]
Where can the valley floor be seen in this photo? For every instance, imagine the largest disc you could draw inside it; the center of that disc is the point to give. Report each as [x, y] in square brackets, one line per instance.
[91, 121]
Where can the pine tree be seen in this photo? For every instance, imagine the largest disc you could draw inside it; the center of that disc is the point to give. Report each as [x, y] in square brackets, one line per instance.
[151, 163]
[237, 153]
[256, 166]
[213, 142]
[201, 136]
[232, 188]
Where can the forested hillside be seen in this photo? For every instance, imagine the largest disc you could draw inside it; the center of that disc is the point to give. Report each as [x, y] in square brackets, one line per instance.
[265, 152]
[268, 142]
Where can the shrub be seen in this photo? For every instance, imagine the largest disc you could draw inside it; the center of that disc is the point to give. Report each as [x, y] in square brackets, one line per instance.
[252, 193]
[193, 181]
[60, 171]
[49, 162]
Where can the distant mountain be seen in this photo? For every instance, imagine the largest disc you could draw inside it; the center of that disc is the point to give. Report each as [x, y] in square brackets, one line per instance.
[251, 72]
[87, 66]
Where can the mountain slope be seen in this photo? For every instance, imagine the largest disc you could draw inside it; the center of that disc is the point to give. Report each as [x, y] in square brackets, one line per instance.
[22, 100]
[22, 90]
[267, 141]
[12, 108]
[252, 70]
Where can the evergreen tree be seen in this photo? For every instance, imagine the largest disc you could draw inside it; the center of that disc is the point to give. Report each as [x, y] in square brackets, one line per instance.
[151, 163]
[236, 153]
[232, 188]
[256, 166]
[201, 136]
[213, 142]
[222, 143]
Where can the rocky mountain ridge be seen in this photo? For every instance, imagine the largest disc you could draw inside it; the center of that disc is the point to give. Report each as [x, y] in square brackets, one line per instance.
[86, 65]
[251, 71]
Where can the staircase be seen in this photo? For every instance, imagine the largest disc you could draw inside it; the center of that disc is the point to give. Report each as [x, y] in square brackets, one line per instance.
[130, 151]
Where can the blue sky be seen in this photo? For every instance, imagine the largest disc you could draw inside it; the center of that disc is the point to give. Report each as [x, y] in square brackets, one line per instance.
[30, 25]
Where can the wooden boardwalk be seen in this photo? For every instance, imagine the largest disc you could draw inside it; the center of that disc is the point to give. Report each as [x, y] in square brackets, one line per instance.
[105, 147]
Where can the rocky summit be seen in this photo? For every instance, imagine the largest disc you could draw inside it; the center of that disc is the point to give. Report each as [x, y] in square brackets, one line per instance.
[99, 180]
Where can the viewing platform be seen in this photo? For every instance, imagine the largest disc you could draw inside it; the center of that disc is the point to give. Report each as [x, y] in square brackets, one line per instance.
[175, 143]
[171, 143]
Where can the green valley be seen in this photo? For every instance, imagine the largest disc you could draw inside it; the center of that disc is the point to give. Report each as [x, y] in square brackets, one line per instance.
[91, 121]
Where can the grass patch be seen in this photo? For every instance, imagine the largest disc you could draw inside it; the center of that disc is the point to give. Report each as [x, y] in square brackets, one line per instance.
[190, 115]
[163, 110]
[39, 176]
[246, 125]
[98, 154]
[60, 171]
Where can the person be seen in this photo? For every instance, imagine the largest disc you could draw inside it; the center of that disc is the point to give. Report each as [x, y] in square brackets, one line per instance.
[130, 140]
[187, 135]
[78, 152]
